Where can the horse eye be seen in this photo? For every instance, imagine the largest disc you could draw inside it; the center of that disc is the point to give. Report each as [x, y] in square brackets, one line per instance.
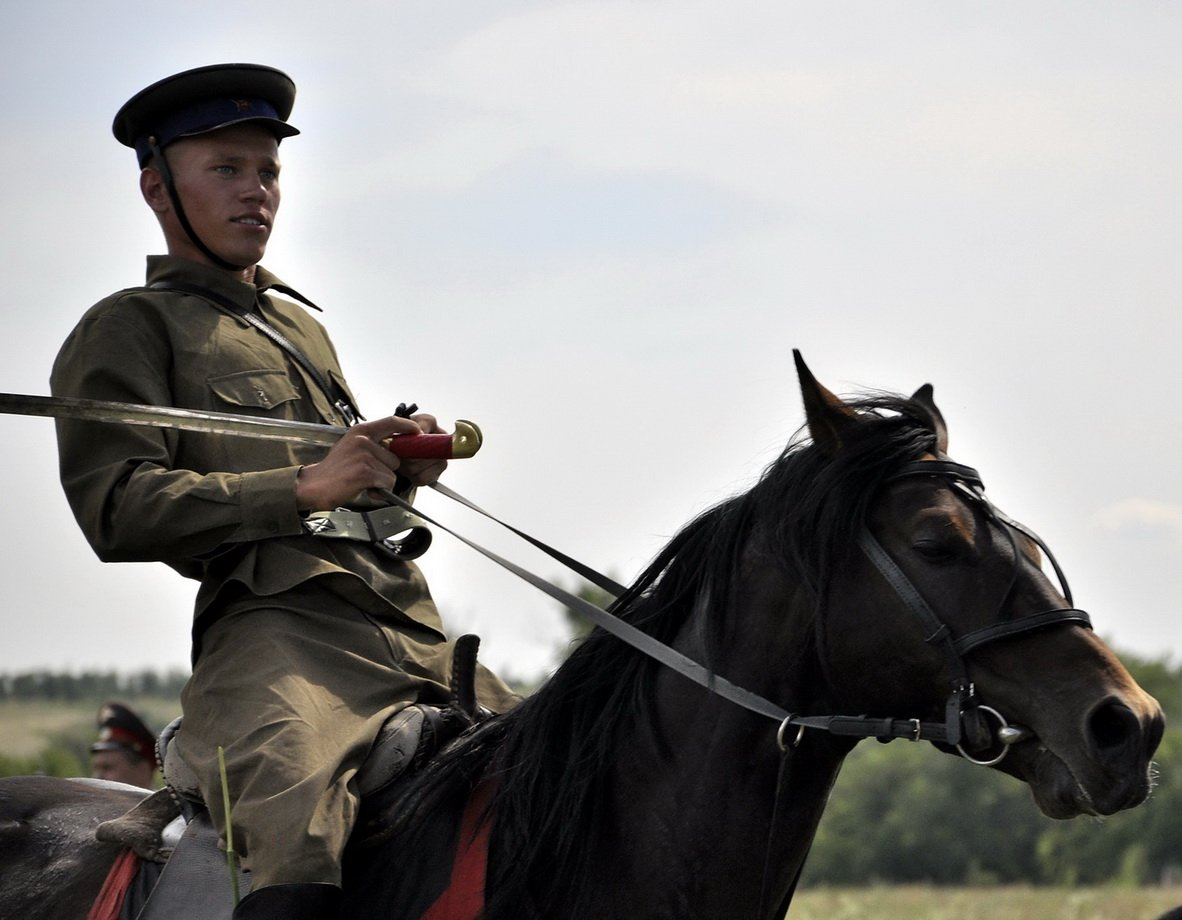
[935, 551]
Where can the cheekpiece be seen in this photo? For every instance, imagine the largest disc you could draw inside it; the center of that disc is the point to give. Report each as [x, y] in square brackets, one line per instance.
[202, 100]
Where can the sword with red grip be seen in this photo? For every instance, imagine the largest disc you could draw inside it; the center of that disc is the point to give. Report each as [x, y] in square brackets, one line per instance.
[460, 444]
[463, 443]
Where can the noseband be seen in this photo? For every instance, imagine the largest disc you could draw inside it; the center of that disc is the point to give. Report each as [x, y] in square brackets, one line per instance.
[964, 713]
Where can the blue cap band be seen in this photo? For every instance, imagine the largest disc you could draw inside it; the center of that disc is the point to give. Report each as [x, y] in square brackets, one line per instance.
[210, 116]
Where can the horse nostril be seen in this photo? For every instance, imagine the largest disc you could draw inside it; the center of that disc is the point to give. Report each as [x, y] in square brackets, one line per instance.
[1112, 724]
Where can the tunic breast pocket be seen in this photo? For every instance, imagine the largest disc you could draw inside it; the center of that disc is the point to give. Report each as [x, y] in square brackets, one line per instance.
[263, 391]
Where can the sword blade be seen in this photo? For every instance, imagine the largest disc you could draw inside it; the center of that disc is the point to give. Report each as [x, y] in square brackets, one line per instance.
[97, 410]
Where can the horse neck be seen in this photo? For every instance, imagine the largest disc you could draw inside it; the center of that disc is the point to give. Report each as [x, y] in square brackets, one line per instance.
[698, 791]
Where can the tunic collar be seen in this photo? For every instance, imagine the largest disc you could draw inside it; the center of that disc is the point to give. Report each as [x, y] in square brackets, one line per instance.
[172, 268]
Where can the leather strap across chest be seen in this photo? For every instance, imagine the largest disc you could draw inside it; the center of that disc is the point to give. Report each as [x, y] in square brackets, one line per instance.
[336, 396]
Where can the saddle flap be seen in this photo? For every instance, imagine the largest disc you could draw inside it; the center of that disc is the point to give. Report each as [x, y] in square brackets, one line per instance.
[392, 750]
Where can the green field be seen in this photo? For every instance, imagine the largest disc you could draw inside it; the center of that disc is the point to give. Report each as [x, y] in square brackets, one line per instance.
[28, 727]
[914, 902]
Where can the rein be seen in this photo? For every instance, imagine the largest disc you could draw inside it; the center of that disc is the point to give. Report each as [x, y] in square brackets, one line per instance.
[962, 704]
[622, 630]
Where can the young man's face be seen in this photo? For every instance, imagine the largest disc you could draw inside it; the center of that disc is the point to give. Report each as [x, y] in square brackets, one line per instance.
[228, 183]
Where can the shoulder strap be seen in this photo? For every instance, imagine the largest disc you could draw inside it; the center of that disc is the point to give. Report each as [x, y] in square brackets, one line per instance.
[334, 393]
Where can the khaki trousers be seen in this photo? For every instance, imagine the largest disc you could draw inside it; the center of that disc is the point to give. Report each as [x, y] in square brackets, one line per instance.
[295, 688]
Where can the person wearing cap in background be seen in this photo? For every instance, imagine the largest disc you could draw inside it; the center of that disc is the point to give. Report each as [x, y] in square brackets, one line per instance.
[125, 751]
[302, 646]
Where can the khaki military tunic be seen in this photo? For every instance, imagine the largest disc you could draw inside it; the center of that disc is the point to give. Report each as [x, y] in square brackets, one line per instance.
[302, 646]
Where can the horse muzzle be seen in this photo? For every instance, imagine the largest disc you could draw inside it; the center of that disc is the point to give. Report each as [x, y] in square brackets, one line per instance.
[1109, 771]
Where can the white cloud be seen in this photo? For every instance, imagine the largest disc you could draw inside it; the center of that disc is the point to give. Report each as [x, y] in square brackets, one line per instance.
[1140, 518]
[830, 110]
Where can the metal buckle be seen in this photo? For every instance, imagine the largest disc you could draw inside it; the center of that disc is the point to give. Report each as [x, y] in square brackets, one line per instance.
[346, 412]
[317, 524]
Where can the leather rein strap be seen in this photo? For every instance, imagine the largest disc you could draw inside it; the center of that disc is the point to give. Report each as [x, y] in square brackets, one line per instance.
[963, 698]
[609, 622]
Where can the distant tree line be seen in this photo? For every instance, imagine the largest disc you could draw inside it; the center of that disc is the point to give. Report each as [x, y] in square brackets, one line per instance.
[86, 686]
[59, 710]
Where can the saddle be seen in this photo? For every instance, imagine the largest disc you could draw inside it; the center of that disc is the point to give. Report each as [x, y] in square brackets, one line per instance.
[172, 825]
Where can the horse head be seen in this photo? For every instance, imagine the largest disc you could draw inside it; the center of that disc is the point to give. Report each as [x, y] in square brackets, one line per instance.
[1042, 697]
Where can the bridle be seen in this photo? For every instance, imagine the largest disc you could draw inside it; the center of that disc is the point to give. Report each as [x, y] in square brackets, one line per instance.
[963, 710]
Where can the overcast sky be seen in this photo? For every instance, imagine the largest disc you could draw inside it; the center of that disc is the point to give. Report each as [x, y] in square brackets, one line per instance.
[598, 228]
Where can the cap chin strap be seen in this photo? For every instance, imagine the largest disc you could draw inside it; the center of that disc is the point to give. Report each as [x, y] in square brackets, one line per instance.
[166, 174]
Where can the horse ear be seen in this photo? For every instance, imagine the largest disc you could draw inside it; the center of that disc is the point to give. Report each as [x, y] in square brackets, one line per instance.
[828, 417]
[925, 397]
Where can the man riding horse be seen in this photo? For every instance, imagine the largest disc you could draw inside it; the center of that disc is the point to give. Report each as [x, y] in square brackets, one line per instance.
[303, 646]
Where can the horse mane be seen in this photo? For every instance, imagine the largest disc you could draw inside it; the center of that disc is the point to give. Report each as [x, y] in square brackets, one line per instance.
[549, 755]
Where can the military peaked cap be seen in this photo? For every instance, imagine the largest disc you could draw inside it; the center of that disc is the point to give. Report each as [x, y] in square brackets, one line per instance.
[202, 100]
[120, 729]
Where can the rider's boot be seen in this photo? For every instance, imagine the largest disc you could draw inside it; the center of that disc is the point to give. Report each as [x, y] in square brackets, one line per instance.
[290, 902]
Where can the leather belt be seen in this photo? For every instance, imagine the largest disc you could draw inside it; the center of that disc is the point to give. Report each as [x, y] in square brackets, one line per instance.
[397, 529]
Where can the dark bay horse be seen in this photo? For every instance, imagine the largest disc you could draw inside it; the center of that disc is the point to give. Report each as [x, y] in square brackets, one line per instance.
[864, 587]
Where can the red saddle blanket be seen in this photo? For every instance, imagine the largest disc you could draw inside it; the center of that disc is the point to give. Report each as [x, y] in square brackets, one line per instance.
[109, 902]
[464, 897]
